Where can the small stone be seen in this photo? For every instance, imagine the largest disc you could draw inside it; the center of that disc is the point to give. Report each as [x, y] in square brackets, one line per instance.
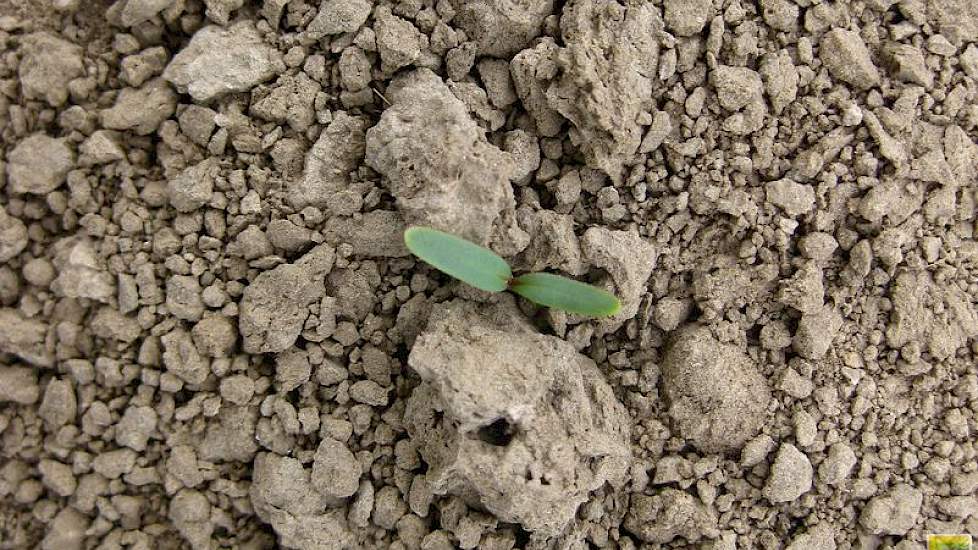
[335, 470]
[183, 297]
[836, 467]
[325, 181]
[816, 331]
[181, 358]
[713, 417]
[230, 436]
[19, 385]
[670, 312]
[794, 198]
[355, 69]
[362, 505]
[486, 408]
[804, 291]
[398, 40]
[39, 164]
[190, 512]
[114, 464]
[141, 110]
[13, 236]
[501, 28]
[251, 244]
[25, 338]
[805, 428]
[438, 164]
[605, 80]
[671, 469]
[847, 58]
[237, 389]
[81, 272]
[969, 61]
[101, 147]
[275, 305]
[532, 71]
[198, 123]
[369, 393]
[59, 405]
[494, 73]
[219, 11]
[135, 12]
[795, 384]
[736, 87]
[183, 465]
[775, 336]
[288, 236]
[818, 246]
[57, 477]
[661, 518]
[284, 496]
[49, 63]
[219, 61]
[292, 369]
[818, 537]
[215, 336]
[338, 17]
[135, 427]
[756, 450]
[388, 507]
[910, 65]
[791, 475]
[192, 188]
[687, 17]
[137, 69]
[893, 513]
[628, 258]
[66, 531]
[780, 14]
[109, 324]
[525, 151]
[958, 507]
[660, 128]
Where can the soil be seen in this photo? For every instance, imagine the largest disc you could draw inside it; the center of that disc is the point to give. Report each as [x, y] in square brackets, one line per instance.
[212, 336]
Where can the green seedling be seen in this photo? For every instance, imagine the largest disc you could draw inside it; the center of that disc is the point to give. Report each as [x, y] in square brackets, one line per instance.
[485, 270]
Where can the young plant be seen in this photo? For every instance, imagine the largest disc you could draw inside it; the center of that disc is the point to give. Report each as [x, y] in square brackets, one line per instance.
[485, 270]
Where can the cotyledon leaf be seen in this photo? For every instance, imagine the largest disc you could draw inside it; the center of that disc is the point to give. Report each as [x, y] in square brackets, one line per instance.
[466, 261]
[559, 292]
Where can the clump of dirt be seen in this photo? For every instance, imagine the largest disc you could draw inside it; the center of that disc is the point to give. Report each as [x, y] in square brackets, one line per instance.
[211, 334]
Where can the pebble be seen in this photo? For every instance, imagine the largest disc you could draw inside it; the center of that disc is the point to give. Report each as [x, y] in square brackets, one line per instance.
[791, 475]
[847, 58]
[39, 164]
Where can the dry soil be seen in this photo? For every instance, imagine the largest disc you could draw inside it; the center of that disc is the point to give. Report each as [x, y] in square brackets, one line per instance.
[212, 336]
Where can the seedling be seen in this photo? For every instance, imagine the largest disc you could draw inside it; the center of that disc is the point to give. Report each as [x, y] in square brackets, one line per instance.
[485, 270]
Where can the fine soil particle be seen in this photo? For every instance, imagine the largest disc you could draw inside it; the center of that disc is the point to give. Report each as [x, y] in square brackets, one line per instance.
[212, 335]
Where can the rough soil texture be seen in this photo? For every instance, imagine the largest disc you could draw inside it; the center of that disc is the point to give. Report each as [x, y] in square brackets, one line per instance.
[212, 336]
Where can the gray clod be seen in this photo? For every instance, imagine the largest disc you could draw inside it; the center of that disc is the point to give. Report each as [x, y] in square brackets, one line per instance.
[716, 397]
[461, 429]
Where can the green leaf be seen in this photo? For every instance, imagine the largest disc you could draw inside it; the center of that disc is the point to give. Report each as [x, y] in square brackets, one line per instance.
[466, 261]
[559, 292]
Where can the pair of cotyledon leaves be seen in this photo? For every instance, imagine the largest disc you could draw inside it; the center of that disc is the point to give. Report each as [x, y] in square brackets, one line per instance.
[485, 270]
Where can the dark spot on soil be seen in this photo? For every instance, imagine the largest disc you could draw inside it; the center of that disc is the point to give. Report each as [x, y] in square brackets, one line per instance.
[498, 434]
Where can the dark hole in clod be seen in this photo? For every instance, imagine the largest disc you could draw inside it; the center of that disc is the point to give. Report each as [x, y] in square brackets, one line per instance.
[499, 433]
